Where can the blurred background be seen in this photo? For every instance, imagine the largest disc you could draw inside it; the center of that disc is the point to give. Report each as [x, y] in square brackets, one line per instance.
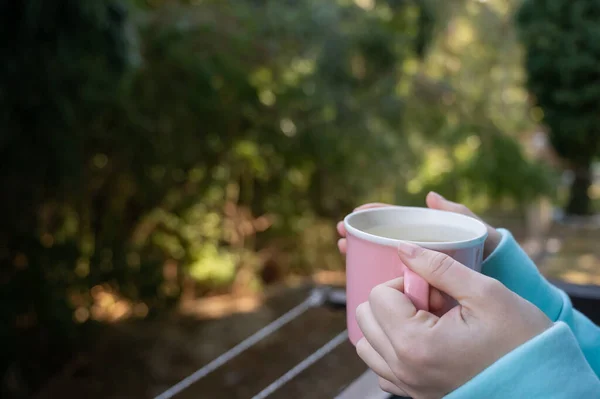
[172, 171]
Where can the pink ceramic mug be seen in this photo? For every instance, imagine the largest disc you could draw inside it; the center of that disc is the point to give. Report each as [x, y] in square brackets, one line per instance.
[372, 257]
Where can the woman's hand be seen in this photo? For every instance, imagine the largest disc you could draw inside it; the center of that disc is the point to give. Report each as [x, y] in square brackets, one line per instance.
[434, 201]
[418, 354]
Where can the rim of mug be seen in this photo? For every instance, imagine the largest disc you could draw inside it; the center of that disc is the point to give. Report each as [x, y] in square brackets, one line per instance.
[480, 229]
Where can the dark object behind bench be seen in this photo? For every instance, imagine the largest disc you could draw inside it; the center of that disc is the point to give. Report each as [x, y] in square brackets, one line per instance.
[585, 298]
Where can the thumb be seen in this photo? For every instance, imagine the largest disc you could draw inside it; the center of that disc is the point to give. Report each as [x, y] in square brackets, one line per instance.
[436, 201]
[441, 271]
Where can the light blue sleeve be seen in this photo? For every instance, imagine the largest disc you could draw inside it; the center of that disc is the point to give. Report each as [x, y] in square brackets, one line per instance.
[561, 363]
[511, 266]
[550, 365]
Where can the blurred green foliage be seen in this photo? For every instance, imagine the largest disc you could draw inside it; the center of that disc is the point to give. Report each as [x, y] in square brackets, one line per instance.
[562, 57]
[468, 98]
[155, 150]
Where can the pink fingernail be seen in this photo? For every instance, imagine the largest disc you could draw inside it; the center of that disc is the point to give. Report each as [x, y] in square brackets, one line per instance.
[407, 250]
[438, 196]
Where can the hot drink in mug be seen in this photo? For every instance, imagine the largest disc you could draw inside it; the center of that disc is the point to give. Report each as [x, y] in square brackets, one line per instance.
[372, 257]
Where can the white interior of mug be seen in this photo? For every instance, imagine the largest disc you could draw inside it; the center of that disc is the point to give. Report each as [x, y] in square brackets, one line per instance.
[358, 223]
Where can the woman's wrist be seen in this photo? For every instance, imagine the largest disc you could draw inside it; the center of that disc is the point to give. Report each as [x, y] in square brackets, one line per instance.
[491, 243]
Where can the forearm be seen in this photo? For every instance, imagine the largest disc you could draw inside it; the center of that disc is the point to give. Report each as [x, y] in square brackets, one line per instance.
[510, 265]
[550, 365]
